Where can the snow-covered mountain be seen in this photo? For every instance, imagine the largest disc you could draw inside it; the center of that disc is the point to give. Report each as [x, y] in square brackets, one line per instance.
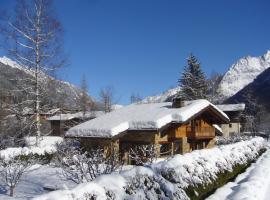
[258, 91]
[165, 96]
[60, 89]
[243, 72]
[239, 75]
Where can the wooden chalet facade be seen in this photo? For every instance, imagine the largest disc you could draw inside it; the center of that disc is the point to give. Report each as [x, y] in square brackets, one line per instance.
[175, 137]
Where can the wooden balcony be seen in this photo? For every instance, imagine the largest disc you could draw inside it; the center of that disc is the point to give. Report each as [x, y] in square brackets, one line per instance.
[201, 132]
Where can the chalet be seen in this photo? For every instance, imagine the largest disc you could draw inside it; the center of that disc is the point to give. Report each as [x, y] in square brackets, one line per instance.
[60, 123]
[233, 111]
[178, 127]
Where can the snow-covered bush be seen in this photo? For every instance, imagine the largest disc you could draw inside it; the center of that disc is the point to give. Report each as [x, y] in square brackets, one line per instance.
[169, 179]
[232, 139]
[81, 167]
[142, 154]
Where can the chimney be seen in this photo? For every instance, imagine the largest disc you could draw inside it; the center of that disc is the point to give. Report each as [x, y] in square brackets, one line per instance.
[178, 102]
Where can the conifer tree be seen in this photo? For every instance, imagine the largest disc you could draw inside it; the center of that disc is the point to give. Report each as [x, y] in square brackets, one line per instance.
[193, 81]
[85, 102]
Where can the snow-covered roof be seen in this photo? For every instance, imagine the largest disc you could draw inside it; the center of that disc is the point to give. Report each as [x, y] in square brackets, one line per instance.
[77, 115]
[139, 117]
[232, 107]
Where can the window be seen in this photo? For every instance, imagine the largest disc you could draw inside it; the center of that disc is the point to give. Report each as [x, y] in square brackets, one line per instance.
[230, 125]
[231, 134]
[199, 145]
[178, 147]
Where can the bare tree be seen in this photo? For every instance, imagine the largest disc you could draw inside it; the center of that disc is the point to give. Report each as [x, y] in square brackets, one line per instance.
[11, 171]
[34, 38]
[142, 154]
[135, 98]
[107, 97]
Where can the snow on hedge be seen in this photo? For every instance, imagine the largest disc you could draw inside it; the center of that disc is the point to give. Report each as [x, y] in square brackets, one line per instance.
[199, 167]
[167, 179]
[254, 183]
[47, 145]
[140, 116]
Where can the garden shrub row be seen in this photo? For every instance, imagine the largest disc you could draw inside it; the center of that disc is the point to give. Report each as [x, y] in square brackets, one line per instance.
[194, 175]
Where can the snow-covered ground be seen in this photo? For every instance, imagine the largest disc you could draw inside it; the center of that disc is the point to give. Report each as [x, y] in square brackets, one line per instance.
[35, 181]
[253, 184]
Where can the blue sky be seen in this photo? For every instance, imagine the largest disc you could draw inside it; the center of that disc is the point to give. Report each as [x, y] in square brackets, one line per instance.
[141, 46]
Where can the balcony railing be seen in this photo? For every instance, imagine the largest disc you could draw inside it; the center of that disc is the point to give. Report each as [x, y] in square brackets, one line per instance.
[203, 132]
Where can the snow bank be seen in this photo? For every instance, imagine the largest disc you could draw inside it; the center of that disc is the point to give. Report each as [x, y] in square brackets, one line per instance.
[47, 145]
[139, 117]
[167, 179]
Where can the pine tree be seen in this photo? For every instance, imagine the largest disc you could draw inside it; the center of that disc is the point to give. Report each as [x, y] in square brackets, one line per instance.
[193, 81]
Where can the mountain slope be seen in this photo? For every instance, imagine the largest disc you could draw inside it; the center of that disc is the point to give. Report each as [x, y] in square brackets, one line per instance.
[243, 72]
[259, 90]
[58, 90]
[164, 97]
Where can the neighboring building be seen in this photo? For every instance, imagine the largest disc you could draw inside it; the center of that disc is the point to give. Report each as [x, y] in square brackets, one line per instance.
[62, 122]
[233, 111]
[177, 128]
[43, 115]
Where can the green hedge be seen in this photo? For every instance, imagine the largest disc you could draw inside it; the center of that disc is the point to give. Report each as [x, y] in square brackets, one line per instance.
[43, 159]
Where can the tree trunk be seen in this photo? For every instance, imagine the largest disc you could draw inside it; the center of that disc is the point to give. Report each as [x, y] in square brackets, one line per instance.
[37, 71]
[38, 123]
[11, 193]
